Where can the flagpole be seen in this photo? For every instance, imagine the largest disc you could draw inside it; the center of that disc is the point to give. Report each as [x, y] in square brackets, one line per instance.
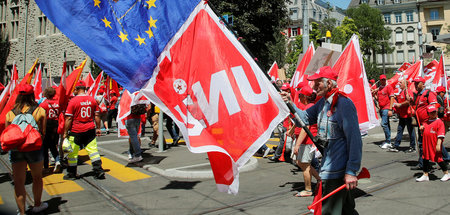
[296, 118]
[445, 78]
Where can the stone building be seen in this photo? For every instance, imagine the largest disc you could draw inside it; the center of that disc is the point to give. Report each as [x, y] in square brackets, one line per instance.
[403, 18]
[32, 35]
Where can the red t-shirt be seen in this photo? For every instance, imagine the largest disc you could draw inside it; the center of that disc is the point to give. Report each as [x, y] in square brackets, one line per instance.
[112, 102]
[82, 109]
[384, 95]
[421, 104]
[51, 109]
[312, 128]
[401, 97]
[432, 130]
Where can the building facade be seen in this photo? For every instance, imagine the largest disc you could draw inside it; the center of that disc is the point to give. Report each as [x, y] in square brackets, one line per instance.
[31, 35]
[408, 19]
[317, 11]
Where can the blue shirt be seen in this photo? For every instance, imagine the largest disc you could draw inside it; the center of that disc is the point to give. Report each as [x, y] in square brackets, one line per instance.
[344, 151]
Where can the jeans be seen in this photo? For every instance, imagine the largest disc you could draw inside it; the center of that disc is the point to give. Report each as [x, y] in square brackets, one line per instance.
[402, 123]
[172, 128]
[386, 125]
[282, 130]
[132, 126]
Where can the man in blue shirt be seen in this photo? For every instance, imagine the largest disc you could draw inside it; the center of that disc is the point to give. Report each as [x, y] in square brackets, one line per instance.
[337, 121]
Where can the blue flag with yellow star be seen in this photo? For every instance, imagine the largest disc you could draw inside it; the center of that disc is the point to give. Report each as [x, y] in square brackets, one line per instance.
[124, 37]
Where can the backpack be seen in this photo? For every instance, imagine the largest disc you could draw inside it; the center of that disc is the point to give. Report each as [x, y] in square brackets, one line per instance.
[138, 109]
[23, 133]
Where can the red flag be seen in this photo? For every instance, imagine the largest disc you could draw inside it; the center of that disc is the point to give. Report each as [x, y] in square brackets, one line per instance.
[128, 99]
[12, 100]
[38, 84]
[404, 66]
[94, 88]
[68, 84]
[14, 78]
[430, 74]
[299, 74]
[5, 96]
[89, 80]
[317, 210]
[61, 91]
[410, 73]
[352, 80]
[273, 72]
[213, 89]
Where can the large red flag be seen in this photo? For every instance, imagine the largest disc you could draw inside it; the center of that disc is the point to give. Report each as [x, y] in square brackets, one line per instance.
[273, 72]
[94, 88]
[409, 74]
[61, 91]
[68, 84]
[5, 96]
[215, 92]
[14, 78]
[352, 79]
[404, 66]
[89, 80]
[430, 74]
[12, 100]
[299, 74]
[38, 84]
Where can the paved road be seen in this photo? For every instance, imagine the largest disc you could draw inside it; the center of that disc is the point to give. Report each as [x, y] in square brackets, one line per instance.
[178, 182]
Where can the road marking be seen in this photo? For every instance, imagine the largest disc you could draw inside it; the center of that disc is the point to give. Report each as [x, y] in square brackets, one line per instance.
[1, 201]
[117, 170]
[274, 139]
[54, 184]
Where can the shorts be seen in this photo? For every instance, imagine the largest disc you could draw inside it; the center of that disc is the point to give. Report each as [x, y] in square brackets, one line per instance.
[305, 154]
[29, 157]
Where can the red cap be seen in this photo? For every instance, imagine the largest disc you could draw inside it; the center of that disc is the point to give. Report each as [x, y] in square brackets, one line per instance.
[301, 85]
[25, 89]
[113, 92]
[80, 83]
[372, 81]
[100, 91]
[419, 79]
[285, 86]
[55, 87]
[324, 72]
[431, 108]
[383, 76]
[306, 90]
[440, 89]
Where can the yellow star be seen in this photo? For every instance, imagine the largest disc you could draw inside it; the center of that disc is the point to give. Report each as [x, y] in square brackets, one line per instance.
[123, 37]
[107, 23]
[152, 22]
[140, 40]
[149, 32]
[151, 3]
[97, 3]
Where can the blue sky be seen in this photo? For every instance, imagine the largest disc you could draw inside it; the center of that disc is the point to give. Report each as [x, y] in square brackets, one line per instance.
[339, 3]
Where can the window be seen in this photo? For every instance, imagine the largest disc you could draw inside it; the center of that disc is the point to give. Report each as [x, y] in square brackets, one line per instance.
[410, 35]
[435, 31]
[409, 17]
[320, 15]
[364, 1]
[400, 56]
[3, 29]
[387, 18]
[434, 14]
[314, 13]
[294, 32]
[295, 2]
[397, 1]
[42, 24]
[380, 2]
[411, 55]
[398, 17]
[14, 22]
[399, 36]
[294, 14]
[54, 29]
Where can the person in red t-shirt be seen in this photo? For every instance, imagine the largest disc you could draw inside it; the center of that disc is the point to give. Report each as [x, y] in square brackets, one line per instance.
[304, 148]
[80, 114]
[283, 137]
[50, 142]
[403, 109]
[385, 97]
[433, 132]
[422, 99]
[112, 110]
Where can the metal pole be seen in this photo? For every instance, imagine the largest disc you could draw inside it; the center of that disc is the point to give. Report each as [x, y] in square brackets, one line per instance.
[160, 132]
[25, 38]
[419, 28]
[305, 36]
[382, 58]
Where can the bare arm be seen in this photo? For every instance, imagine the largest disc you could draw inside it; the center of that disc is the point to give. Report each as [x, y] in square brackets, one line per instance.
[67, 125]
[97, 123]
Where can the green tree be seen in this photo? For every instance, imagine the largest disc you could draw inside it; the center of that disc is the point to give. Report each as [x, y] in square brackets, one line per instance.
[5, 46]
[343, 33]
[256, 22]
[95, 69]
[374, 35]
[295, 48]
[277, 49]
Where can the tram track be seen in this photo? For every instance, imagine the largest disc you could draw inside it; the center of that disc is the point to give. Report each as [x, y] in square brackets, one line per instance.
[109, 196]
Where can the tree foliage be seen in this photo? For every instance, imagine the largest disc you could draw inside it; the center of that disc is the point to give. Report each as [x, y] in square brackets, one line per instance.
[277, 49]
[343, 33]
[5, 46]
[257, 23]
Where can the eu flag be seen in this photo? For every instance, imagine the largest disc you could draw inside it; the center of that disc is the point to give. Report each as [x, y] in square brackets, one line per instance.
[124, 37]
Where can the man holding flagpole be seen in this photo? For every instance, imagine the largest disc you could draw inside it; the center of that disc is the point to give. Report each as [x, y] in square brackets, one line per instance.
[337, 121]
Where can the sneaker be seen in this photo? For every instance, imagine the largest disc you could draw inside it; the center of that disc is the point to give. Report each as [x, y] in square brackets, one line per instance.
[71, 176]
[266, 153]
[445, 177]
[135, 159]
[393, 149]
[57, 168]
[422, 178]
[40, 208]
[385, 145]
[410, 150]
